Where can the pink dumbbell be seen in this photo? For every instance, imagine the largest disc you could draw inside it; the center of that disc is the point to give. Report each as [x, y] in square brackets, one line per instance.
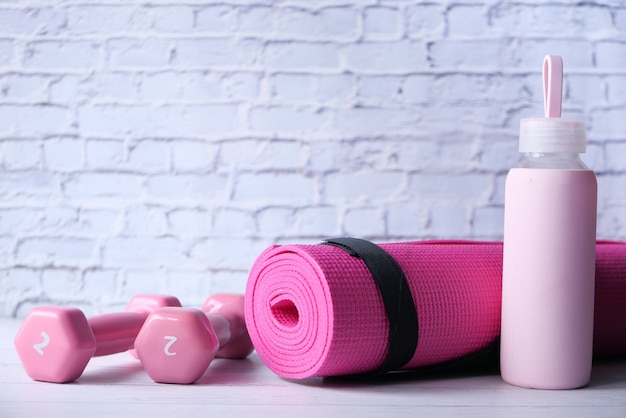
[176, 345]
[56, 343]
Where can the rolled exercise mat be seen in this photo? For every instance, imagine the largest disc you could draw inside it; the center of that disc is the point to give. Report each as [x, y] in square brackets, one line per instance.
[609, 325]
[348, 306]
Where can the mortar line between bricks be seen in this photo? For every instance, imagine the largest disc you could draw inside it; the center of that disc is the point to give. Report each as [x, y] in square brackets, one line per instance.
[493, 72]
[612, 36]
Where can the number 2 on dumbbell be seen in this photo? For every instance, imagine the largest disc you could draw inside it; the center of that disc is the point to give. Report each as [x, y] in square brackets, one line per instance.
[170, 342]
[38, 347]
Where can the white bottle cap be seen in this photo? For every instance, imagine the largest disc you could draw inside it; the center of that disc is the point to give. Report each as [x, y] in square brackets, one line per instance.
[552, 134]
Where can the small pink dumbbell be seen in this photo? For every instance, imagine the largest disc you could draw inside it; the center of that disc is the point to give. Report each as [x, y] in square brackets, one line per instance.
[56, 343]
[176, 345]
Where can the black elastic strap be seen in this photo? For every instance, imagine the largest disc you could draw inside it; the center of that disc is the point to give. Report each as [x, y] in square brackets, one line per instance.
[396, 295]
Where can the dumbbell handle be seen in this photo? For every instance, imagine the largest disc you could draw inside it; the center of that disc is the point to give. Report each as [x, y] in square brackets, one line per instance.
[221, 325]
[230, 308]
[115, 332]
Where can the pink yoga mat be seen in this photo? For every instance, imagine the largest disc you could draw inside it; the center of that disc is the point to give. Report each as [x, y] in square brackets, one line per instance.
[315, 310]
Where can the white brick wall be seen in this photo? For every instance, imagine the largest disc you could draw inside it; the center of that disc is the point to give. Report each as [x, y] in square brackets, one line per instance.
[161, 146]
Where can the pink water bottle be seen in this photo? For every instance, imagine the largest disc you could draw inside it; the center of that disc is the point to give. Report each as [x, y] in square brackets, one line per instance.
[549, 251]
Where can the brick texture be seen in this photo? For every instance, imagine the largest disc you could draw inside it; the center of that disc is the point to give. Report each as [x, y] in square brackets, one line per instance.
[160, 146]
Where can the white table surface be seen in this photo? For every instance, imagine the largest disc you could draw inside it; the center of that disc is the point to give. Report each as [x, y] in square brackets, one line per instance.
[116, 387]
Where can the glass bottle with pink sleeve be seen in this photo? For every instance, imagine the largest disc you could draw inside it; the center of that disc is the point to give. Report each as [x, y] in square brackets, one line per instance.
[549, 251]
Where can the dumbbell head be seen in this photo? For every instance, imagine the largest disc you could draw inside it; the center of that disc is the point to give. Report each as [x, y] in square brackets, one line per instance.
[55, 344]
[176, 345]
